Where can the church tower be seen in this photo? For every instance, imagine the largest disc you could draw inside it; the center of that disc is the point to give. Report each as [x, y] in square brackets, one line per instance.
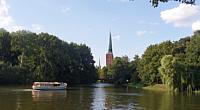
[109, 55]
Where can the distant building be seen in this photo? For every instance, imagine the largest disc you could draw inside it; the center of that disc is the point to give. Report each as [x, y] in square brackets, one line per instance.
[99, 64]
[109, 54]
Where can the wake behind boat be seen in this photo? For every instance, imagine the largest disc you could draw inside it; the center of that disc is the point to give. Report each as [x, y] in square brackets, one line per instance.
[49, 86]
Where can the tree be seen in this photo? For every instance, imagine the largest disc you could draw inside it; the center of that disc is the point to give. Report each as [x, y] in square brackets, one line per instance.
[150, 61]
[27, 57]
[121, 70]
[104, 73]
[5, 46]
[156, 2]
[168, 71]
[193, 59]
[133, 65]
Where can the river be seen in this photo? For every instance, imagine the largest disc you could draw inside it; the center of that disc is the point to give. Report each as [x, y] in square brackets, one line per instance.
[94, 97]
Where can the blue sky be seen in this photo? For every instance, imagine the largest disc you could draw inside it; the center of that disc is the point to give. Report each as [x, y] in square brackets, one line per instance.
[134, 25]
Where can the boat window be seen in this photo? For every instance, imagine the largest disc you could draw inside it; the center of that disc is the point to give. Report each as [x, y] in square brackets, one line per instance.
[56, 84]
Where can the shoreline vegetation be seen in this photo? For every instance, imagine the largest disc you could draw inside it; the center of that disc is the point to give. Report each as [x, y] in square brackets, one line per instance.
[155, 87]
[26, 57]
[169, 65]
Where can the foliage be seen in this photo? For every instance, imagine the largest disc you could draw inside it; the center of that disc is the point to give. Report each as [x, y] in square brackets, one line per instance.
[171, 72]
[193, 60]
[44, 57]
[156, 2]
[175, 64]
[150, 61]
[133, 65]
[124, 71]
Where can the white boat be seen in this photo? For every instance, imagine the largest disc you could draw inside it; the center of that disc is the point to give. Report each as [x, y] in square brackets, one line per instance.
[49, 86]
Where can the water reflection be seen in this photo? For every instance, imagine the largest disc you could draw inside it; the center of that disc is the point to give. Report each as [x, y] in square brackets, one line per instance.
[39, 95]
[107, 97]
[100, 101]
[95, 97]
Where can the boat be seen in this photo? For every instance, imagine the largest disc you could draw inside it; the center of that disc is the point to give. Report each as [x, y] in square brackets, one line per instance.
[49, 86]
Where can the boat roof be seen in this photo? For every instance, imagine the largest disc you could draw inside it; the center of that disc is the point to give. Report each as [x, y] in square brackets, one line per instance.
[48, 82]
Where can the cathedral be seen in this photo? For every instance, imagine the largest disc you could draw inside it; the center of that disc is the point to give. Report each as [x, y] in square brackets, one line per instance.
[109, 54]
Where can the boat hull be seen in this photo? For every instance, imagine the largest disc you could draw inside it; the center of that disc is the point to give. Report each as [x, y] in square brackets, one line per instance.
[49, 87]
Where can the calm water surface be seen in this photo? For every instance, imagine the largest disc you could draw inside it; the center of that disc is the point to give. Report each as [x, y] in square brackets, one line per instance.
[95, 97]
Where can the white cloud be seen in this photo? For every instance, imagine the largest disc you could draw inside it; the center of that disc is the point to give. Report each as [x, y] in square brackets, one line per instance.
[144, 32]
[196, 25]
[17, 28]
[115, 19]
[37, 27]
[142, 22]
[7, 22]
[65, 9]
[141, 33]
[153, 23]
[5, 18]
[116, 37]
[182, 16]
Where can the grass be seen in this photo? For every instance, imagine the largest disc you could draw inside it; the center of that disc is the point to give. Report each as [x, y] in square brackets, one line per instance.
[157, 87]
[138, 85]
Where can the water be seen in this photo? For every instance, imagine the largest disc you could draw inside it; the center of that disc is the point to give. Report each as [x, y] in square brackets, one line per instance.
[95, 97]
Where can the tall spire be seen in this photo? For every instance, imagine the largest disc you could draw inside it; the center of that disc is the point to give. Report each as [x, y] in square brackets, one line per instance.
[99, 64]
[110, 44]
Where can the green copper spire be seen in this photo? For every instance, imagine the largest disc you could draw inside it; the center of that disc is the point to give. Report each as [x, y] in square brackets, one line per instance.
[99, 64]
[110, 44]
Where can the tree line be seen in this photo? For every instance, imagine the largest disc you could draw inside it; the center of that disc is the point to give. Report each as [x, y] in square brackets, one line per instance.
[155, 3]
[175, 64]
[26, 57]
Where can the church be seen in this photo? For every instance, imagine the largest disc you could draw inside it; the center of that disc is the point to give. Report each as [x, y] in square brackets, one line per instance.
[109, 54]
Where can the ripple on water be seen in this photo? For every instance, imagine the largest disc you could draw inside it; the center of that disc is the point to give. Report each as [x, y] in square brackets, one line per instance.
[22, 90]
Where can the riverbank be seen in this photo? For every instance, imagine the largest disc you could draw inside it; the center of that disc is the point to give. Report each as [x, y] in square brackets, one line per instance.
[155, 87]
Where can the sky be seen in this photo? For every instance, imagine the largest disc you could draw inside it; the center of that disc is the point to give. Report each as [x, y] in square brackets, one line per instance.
[134, 25]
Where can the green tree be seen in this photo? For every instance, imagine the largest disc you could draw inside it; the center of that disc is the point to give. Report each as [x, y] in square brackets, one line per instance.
[174, 74]
[121, 70]
[105, 73]
[193, 60]
[150, 61]
[156, 2]
[27, 57]
[5, 46]
[168, 71]
[133, 65]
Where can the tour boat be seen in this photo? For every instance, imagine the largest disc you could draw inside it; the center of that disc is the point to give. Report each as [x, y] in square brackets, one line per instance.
[49, 86]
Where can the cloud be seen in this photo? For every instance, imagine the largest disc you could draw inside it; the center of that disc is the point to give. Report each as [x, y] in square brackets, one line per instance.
[7, 22]
[196, 25]
[116, 37]
[182, 16]
[17, 28]
[153, 23]
[144, 32]
[147, 23]
[141, 33]
[65, 9]
[5, 18]
[115, 19]
[37, 27]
